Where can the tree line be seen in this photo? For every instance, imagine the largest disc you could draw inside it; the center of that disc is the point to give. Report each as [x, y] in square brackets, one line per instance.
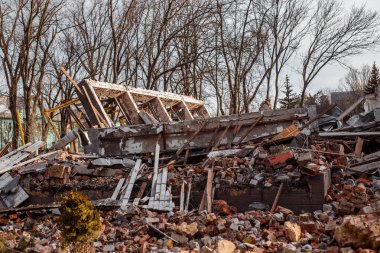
[230, 53]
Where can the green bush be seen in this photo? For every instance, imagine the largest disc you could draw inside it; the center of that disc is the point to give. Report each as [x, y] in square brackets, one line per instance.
[80, 221]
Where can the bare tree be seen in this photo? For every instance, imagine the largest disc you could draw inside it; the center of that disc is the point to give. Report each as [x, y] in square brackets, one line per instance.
[356, 79]
[28, 30]
[335, 35]
[286, 19]
[242, 34]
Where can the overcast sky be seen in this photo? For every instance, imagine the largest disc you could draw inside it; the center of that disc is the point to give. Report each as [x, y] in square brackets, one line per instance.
[331, 75]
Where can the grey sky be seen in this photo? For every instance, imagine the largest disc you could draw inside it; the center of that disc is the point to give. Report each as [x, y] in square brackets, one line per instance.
[331, 75]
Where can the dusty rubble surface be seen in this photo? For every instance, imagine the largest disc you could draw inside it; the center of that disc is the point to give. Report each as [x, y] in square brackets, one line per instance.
[259, 182]
[348, 221]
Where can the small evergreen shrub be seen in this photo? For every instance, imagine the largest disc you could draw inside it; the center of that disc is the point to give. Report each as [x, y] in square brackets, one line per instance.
[80, 221]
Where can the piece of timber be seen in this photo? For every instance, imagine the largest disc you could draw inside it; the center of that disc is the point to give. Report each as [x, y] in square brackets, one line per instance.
[350, 109]
[138, 139]
[182, 111]
[210, 179]
[7, 162]
[359, 146]
[129, 106]
[95, 103]
[4, 150]
[131, 183]
[203, 112]
[117, 189]
[162, 114]
[348, 134]
[366, 167]
[110, 90]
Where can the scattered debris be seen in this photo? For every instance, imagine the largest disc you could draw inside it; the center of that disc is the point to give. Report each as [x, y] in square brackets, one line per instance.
[168, 177]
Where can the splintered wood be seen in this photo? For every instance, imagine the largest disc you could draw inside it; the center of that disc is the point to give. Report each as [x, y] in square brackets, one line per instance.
[137, 106]
[160, 196]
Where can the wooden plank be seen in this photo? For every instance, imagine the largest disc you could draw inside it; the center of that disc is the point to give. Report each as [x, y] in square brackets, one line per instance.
[156, 198]
[94, 99]
[127, 119]
[131, 183]
[91, 114]
[144, 95]
[163, 115]
[350, 109]
[366, 167]
[155, 169]
[164, 198]
[182, 111]
[188, 197]
[129, 106]
[223, 135]
[203, 112]
[210, 178]
[117, 189]
[5, 157]
[182, 197]
[249, 130]
[359, 146]
[274, 205]
[179, 151]
[7, 162]
[147, 118]
[348, 134]
[140, 194]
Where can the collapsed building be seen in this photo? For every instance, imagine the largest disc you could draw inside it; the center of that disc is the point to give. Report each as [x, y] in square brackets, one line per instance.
[263, 180]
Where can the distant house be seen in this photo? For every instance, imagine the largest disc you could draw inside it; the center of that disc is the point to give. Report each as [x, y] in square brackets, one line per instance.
[6, 126]
[345, 99]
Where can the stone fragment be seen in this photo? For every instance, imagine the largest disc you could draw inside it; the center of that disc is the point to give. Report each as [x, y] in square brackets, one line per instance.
[109, 248]
[187, 229]
[179, 238]
[292, 231]
[359, 231]
[224, 246]
[289, 248]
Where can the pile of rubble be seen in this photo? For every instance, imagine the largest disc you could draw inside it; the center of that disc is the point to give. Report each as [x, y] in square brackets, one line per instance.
[168, 178]
[257, 227]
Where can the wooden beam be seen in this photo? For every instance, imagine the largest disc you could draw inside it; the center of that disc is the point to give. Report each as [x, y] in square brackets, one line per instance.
[127, 119]
[162, 114]
[182, 197]
[128, 104]
[155, 169]
[274, 205]
[249, 130]
[117, 189]
[21, 130]
[359, 146]
[222, 136]
[144, 95]
[203, 112]
[147, 118]
[182, 111]
[140, 194]
[131, 183]
[318, 116]
[95, 101]
[350, 109]
[210, 179]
